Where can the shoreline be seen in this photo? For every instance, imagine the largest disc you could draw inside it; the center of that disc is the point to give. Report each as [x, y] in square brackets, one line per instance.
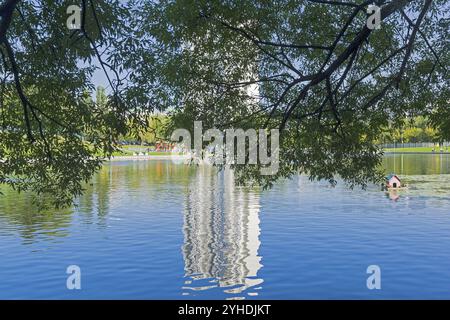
[416, 152]
[147, 158]
[185, 157]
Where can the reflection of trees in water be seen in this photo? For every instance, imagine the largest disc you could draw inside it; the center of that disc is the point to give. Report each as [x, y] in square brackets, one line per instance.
[417, 164]
[18, 210]
[221, 234]
[123, 181]
[32, 223]
[94, 204]
[109, 188]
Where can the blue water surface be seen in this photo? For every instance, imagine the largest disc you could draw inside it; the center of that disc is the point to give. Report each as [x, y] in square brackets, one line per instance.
[158, 230]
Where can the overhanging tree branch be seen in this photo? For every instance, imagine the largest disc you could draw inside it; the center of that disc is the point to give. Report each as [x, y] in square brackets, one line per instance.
[386, 11]
[412, 39]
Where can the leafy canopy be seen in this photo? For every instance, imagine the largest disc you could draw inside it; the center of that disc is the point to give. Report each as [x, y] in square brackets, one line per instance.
[311, 68]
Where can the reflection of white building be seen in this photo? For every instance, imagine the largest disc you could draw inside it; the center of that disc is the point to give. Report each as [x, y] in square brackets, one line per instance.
[221, 234]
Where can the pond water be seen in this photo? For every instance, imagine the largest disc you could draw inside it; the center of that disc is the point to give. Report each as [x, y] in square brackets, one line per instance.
[156, 230]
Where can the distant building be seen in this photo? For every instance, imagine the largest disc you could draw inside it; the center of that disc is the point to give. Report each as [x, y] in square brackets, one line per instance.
[392, 181]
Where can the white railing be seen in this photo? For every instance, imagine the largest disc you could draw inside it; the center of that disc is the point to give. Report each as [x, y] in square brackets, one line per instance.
[413, 145]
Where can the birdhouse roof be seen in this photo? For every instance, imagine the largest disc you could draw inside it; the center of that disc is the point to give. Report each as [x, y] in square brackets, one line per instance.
[389, 177]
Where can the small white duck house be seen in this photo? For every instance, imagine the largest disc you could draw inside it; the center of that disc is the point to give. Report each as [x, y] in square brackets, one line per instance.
[392, 181]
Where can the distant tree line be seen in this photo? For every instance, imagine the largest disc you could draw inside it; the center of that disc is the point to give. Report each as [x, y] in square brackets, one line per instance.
[412, 130]
[147, 130]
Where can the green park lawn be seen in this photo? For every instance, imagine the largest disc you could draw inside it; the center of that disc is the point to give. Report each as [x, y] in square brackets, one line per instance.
[418, 150]
[129, 150]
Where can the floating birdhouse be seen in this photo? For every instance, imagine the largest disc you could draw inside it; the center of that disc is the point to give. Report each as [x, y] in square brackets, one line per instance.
[392, 181]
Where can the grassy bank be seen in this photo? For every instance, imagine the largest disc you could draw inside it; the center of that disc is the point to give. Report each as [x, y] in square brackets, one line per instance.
[417, 150]
[130, 150]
